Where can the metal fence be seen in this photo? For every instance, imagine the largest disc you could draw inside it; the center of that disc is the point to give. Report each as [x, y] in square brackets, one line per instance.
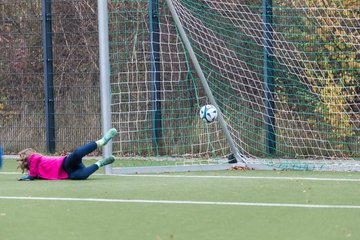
[75, 74]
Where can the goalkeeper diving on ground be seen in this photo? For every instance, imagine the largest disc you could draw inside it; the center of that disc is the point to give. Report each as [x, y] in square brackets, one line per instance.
[70, 166]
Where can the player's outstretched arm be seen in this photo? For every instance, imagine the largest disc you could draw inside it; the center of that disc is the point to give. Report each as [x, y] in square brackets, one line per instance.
[26, 178]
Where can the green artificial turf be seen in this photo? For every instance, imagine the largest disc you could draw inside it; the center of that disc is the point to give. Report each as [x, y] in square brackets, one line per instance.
[57, 210]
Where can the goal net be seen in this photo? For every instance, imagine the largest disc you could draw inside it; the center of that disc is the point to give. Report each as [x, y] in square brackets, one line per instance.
[285, 75]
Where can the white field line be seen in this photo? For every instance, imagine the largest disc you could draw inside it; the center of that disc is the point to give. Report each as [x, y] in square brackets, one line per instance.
[10, 173]
[248, 177]
[221, 177]
[248, 204]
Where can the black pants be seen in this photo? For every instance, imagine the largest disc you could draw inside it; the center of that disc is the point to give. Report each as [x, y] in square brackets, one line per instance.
[73, 165]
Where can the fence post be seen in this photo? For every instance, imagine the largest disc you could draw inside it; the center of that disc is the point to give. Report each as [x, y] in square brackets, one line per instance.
[155, 77]
[269, 86]
[48, 76]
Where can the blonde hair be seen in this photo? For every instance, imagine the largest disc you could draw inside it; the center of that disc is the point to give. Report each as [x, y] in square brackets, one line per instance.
[23, 161]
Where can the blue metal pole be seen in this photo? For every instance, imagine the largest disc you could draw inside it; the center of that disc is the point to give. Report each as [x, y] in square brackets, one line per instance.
[269, 86]
[48, 76]
[155, 77]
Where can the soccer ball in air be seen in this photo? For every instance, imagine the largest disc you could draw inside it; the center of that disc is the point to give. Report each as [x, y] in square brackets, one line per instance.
[208, 113]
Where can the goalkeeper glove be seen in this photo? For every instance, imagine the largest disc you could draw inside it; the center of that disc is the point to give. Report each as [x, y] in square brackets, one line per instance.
[26, 178]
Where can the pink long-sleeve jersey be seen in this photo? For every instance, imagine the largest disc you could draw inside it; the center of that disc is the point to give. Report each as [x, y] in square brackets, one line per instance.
[47, 167]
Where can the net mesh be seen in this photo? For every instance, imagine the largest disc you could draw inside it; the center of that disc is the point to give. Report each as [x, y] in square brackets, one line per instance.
[313, 60]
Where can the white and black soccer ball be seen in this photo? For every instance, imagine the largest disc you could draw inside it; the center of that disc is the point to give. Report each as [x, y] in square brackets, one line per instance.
[208, 113]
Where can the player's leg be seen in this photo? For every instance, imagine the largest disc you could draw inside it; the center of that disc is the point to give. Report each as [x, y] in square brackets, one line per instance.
[84, 172]
[74, 159]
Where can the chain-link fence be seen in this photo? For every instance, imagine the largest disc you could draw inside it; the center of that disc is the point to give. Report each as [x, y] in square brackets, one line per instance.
[75, 75]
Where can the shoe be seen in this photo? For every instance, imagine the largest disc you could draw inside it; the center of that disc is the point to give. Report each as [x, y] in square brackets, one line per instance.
[108, 136]
[106, 161]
